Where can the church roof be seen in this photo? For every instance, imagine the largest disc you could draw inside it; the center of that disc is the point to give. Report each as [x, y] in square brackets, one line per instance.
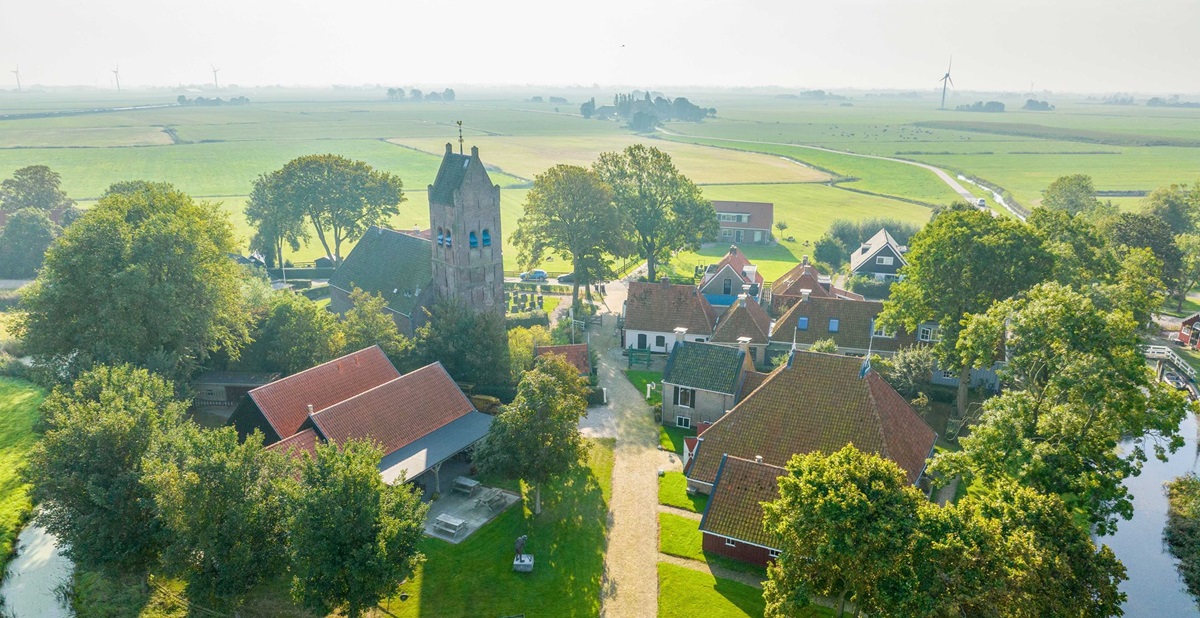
[394, 265]
[452, 173]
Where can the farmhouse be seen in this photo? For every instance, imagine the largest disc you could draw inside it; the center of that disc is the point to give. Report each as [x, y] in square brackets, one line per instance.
[816, 402]
[745, 320]
[734, 274]
[745, 221]
[701, 381]
[457, 259]
[653, 311]
[850, 323]
[880, 258]
[800, 281]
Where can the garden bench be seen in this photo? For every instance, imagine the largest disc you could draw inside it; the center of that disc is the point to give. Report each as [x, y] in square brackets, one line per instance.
[449, 524]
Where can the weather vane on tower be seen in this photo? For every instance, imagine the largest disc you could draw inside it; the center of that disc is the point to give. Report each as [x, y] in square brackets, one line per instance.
[460, 139]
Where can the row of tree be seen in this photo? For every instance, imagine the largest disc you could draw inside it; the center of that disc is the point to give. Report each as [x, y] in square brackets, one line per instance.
[980, 106]
[416, 96]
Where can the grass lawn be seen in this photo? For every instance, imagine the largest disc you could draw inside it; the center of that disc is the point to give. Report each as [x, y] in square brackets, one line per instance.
[671, 438]
[1190, 305]
[680, 536]
[19, 402]
[475, 578]
[641, 378]
[684, 593]
[672, 491]
[550, 303]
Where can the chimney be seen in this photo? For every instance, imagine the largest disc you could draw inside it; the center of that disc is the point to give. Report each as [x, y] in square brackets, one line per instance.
[449, 148]
[747, 360]
[732, 249]
[310, 409]
[804, 261]
[745, 293]
[804, 294]
[680, 333]
[744, 345]
[758, 459]
[665, 281]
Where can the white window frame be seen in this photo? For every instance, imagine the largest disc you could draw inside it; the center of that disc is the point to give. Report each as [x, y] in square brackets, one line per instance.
[927, 333]
[879, 331]
[730, 543]
[683, 422]
[885, 260]
[773, 554]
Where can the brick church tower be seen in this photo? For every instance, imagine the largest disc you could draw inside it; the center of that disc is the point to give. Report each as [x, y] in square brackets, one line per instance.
[464, 221]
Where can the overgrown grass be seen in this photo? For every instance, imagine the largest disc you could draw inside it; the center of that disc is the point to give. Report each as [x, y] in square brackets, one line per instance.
[97, 594]
[671, 438]
[672, 491]
[19, 403]
[475, 578]
[680, 536]
[640, 378]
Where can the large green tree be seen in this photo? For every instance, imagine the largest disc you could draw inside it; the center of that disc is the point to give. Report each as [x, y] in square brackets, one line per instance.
[353, 537]
[1074, 194]
[536, 437]
[142, 278]
[663, 210]
[224, 505]
[959, 264]
[1189, 271]
[34, 186]
[87, 469]
[1177, 205]
[1130, 230]
[368, 323]
[1078, 386]
[23, 243]
[341, 197]
[277, 222]
[570, 212]
[294, 334]
[473, 347]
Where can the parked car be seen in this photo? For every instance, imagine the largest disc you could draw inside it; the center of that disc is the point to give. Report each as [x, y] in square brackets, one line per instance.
[567, 278]
[536, 274]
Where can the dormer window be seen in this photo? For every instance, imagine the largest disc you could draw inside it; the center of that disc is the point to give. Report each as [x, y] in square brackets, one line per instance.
[487, 238]
[833, 325]
[473, 241]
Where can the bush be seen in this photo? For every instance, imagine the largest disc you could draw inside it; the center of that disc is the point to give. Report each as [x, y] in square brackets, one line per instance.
[300, 284]
[870, 288]
[301, 273]
[9, 299]
[316, 293]
[543, 288]
[527, 319]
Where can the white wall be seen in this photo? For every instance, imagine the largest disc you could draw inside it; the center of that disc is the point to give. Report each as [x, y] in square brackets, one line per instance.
[631, 339]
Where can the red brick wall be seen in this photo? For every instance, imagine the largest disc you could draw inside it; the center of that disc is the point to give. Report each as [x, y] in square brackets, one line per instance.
[744, 551]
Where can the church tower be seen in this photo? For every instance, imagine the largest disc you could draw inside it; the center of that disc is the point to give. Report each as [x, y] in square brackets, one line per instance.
[464, 221]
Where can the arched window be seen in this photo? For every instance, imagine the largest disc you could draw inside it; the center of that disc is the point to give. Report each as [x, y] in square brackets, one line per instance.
[448, 237]
[487, 238]
[473, 241]
[440, 238]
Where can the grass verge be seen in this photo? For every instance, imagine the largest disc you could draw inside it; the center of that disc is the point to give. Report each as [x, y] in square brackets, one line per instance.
[19, 403]
[680, 536]
[640, 378]
[671, 438]
[672, 491]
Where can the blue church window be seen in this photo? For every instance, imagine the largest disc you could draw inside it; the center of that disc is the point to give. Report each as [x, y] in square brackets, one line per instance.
[473, 241]
[448, 239]
[441, 239]
[487, 238]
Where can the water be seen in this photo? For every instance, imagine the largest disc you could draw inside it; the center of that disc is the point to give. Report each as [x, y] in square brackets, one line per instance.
[1154, 587]
[39, 567]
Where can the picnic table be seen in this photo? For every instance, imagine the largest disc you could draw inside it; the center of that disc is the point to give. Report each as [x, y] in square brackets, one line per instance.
[465, 485]
[449, 524]
[492, 498]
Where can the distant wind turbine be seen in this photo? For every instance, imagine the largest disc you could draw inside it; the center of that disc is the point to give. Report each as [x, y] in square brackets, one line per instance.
[946, 79]
[117, 74]
[214, 70]
[18, 74]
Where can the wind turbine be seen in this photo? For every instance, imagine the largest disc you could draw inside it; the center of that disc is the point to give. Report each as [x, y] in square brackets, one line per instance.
[946, 79]
[18, 74]
[214, 71]
[117, 74]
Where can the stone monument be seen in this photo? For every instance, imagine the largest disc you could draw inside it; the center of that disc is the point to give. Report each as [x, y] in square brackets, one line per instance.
[522, 562]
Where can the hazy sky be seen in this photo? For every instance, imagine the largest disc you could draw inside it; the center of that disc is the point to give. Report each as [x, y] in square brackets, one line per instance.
[1062, 45]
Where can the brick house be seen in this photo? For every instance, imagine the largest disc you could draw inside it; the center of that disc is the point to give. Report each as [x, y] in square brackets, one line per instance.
[701, 382]
[814, 403]
[733, 275]
[745, 319]
[653, 311]
[732, 522]
[803, 279]
[880, 258]
[743, 222]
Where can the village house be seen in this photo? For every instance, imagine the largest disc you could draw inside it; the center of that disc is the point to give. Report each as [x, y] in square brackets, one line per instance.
[577, 354]
[733, 275]
[420, 419]
[701, 381]
[743, 222]
[802, 280]
[653, 311]
[226, 388]
[745, 320]
[1189, 331]
[814, 403]
[880, 258]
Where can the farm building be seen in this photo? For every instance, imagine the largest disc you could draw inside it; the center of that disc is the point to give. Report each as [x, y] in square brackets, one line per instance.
[880, 258]
[394, 265]
[733, 275]
[653, 311]
[732, 523]
[745, 222]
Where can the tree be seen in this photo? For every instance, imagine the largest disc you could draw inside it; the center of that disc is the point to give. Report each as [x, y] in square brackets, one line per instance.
[295, 334]
[828, 346]
[1182, 532]
[34, 186]
[536, 437]
[909, 369]
[368, 323]
[86, 471]
[663, 210]
[1177, 205]
[1131, 230]
[340, 196]
[588, 108]
[23, 243]
[143, 278]
[224, 505]
[521, 344]
[1189, 275]
[781, 226]
[353, 537]
[275, 220]
[1082, 255]
[448, 95]
[1079, 385]
[830, 250]
[416, 95]
[1072, 194]
[473, 347]
[959, 264]
[568, 212]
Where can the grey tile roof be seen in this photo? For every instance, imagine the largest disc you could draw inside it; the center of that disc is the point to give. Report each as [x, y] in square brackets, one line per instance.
[868, 249]
[704, 365]
[394, 265]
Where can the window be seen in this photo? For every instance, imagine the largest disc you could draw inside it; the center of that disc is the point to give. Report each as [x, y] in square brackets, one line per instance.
[686, 397]
[726, 234]
[729, 218]
[700, 339]
[441, 237]
[884, 260]
[660, 341]
[730, 543]
[802, 323]
[683, 422]
[727, 286]
[833, 325]
[880, 331]
[487, 238]
[949, 375]
[473, 241]
[773, 554]
[641, 341]
[447, 238]
[927, 333]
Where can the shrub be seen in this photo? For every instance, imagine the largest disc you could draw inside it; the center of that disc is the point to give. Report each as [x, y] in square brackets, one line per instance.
[870, 288]
[527, 319]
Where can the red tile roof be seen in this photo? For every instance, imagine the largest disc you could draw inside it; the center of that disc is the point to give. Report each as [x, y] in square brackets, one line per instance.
[663, 307]
[856, 325]
[734, 258]
[735, 504]
[298, 444]
[818, 403]
[284, 403]
[577, 354]
[398, 412]
[762, 214]
[804, 276]
[753, 380]
[744, 318]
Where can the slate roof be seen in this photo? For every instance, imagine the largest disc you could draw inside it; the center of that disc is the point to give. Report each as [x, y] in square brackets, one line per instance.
[804, 276]
[744, 318]
[663, 307]
[706, 366]
[577, 354]
[735, 505]
[817, 403]
[394, 265]
[435, 447]
[855, 325]
[868, 249]
[397, 412]
[762, 214]
[450, 176]
[284, 403]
